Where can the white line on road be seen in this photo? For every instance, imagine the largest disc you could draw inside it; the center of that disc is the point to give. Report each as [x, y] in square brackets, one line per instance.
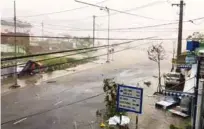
[19, 121]
[58, 103]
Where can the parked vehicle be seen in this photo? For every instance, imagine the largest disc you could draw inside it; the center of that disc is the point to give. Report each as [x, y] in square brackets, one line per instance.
[174, 80]
[30, 68]
[167, 102]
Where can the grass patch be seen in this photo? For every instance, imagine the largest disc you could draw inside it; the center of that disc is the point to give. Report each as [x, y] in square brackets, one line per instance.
[186, 124]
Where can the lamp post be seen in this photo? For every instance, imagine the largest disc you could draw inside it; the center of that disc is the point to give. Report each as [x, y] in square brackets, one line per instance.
[108, 11]
[108, 53]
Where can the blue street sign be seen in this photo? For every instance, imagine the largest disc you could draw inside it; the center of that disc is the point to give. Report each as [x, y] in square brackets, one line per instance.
[185, 66]
[129, 99]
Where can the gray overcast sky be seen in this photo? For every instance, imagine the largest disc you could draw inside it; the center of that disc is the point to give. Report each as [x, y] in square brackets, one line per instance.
[161, 10]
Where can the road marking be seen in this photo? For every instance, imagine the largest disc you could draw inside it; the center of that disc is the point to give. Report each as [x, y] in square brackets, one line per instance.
[58, 103]
[19, 121]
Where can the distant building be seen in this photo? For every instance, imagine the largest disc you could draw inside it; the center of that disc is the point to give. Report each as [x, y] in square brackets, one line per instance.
[7, 26]
[22, 36]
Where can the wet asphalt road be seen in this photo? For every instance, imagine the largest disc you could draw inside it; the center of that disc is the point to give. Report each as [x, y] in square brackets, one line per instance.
[47, 106]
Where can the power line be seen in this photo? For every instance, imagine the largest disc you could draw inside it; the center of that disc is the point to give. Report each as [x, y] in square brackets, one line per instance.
[133, 9]
[119, 11]
[143, 27]
[89, 30]
[68, 10]
[125, 11]
[72, 103]
[51, 58]
[72, 50]
[51, 109]
[180, 83]
[85, 58]
[69, 104]
[86, 38]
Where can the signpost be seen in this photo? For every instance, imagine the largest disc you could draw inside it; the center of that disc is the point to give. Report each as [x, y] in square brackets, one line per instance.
[201, 72]
[130, 99]
[184, 66]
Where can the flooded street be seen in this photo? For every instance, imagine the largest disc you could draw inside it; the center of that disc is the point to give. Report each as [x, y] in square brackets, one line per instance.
[49, 104]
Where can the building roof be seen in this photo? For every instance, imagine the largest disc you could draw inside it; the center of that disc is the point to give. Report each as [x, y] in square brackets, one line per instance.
[18, 23]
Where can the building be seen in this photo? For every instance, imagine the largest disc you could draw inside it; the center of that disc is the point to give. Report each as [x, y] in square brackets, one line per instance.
[22, 36]
[7, 26]
[22, 41]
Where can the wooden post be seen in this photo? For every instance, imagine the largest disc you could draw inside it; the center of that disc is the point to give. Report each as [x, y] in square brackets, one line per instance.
[136, 127]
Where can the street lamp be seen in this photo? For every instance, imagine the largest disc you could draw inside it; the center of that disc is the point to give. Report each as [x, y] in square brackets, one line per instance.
[108, 11]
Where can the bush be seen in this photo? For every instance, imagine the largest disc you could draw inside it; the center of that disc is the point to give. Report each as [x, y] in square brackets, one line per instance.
[174, 127]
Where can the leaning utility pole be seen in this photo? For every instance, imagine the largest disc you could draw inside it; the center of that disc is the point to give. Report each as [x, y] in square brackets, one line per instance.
[15, 49]
[179, 45]
[94, 30]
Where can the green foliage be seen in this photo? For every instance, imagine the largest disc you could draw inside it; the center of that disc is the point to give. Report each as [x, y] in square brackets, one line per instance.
[110, 88]
[83, 43]
[197, 36]
[186, 124]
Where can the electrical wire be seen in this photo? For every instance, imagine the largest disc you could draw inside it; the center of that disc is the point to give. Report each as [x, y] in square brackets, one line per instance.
[171, 88]
[82, 59]
[143, 27]
[125, 11]
[133, 9]
[51, 58]
[51, 109]
[119, 11]
[35, 36]
[72, 103]
[71, 50]
[68, 10]
[99, 30]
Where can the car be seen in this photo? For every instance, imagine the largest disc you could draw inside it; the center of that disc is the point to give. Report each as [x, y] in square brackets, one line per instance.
[20, 68]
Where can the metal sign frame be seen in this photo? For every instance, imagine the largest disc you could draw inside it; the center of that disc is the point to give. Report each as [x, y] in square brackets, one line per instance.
[132, 88]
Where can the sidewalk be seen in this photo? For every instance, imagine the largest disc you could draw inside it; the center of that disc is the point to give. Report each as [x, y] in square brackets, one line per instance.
[39, 78]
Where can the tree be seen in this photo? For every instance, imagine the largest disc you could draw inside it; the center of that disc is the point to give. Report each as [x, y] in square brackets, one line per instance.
[156, 53]
[110, 89]
[196, 36]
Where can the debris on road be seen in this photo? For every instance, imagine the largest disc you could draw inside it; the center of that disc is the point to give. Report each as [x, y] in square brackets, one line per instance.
[58, 103]
[19, 121]
[51, 81]
[167, 102]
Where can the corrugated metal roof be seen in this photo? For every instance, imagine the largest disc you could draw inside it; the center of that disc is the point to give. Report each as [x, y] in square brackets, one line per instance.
[18, 23]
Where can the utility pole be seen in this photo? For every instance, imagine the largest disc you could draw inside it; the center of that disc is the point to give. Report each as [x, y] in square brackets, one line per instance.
[94, 30]
[108, 55]
[179, 45]
[15, 49]
[108, 11]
